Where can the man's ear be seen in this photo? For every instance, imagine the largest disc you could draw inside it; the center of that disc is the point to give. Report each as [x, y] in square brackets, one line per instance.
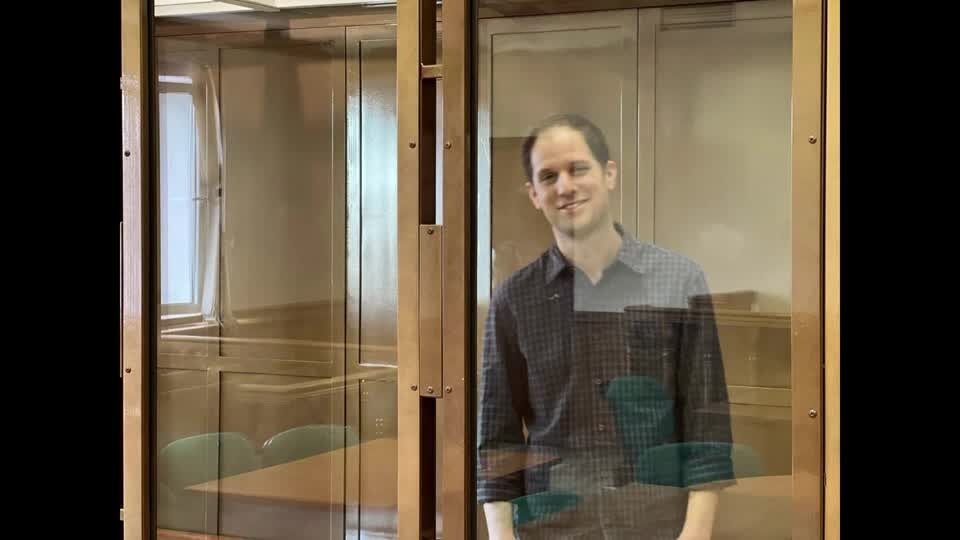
[532, 193]
[610, 175]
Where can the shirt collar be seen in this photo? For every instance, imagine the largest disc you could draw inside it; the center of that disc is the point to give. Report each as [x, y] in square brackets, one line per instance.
[630, 254]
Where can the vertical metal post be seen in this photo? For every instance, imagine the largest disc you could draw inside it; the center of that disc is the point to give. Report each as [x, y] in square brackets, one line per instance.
[414, 207]
[137, 285]
[807, 254]
[458, 204]
[435, 267]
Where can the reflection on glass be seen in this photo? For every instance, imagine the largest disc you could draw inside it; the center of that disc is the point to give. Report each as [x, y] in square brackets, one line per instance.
[610, 353]
[634, 273]
[277, 350]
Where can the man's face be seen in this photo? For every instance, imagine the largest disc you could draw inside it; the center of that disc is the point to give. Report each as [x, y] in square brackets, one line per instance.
[569, 186]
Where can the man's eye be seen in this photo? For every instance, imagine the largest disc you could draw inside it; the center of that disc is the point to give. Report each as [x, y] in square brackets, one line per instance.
[548, 177]
[580, 170]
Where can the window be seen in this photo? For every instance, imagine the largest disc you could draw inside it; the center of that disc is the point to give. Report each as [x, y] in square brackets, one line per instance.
[183, 197]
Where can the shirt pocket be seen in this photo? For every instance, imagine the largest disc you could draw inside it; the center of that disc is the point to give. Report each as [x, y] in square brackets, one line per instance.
[652, 341]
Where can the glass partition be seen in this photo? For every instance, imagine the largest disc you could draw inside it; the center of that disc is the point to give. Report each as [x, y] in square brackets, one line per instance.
[635, 271]
[276, 399]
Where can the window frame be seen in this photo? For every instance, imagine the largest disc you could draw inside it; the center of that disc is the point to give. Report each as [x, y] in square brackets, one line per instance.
[205, 186]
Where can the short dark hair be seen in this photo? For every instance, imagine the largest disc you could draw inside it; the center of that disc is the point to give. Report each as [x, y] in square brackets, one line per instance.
[591, 134]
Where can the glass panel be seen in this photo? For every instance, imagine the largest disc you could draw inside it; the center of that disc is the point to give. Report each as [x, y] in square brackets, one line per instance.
[634, 271]
[183, 397]
[372, 161]
[371, 320]
[277, 412]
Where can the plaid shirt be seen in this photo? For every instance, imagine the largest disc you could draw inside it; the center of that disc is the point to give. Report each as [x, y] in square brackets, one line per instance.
[611, 377]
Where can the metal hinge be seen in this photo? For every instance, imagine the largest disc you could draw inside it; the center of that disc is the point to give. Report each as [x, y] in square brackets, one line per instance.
[121, 514]
[431, 311]
[431, 71]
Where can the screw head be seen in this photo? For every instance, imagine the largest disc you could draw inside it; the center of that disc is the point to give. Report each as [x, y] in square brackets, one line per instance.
[812, 413]
[126, 153]
[812, 139]
[429, 231]
[429, 389]
[413, 387]
[128, 370]
[413, 145]
[448, 389]
[448, 145]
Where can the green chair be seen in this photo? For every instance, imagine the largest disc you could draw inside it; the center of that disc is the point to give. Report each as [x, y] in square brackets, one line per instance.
[645, 417]
[537, 506]
[662, 464]
[195, 460]
[305, 441]
[643, 412]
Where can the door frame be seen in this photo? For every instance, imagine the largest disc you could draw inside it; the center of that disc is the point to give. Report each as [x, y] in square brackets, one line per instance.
[141, 318]
[831, 264]
[138, 284]
[807, 321]
[808, 240]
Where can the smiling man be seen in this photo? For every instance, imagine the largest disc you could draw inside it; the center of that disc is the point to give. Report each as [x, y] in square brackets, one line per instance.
[603, 353]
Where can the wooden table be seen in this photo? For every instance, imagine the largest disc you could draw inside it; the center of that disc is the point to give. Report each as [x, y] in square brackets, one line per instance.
[756, 508]
[315, 480]
[305, 499]
[296, 500]
[503, 462]
[304, 481]
[169, 534]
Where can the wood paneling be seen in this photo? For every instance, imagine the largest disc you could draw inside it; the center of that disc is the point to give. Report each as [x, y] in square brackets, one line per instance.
[515, 8]
[372, 271]
[512, 211]
[283, 131]
[283, 20]
[372, 181]
[722, 150]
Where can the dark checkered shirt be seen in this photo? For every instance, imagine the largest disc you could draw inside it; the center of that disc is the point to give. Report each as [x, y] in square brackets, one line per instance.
[611, 376]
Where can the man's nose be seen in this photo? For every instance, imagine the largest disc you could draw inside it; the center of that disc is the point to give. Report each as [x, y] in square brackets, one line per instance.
[565, 184]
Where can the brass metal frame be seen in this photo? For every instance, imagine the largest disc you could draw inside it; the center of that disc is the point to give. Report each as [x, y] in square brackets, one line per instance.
[815, 262]
[831, 255]
[456, 411]
[431, 310]
[807, 296]
[138, 313]
[408, 221]
[418, 74]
